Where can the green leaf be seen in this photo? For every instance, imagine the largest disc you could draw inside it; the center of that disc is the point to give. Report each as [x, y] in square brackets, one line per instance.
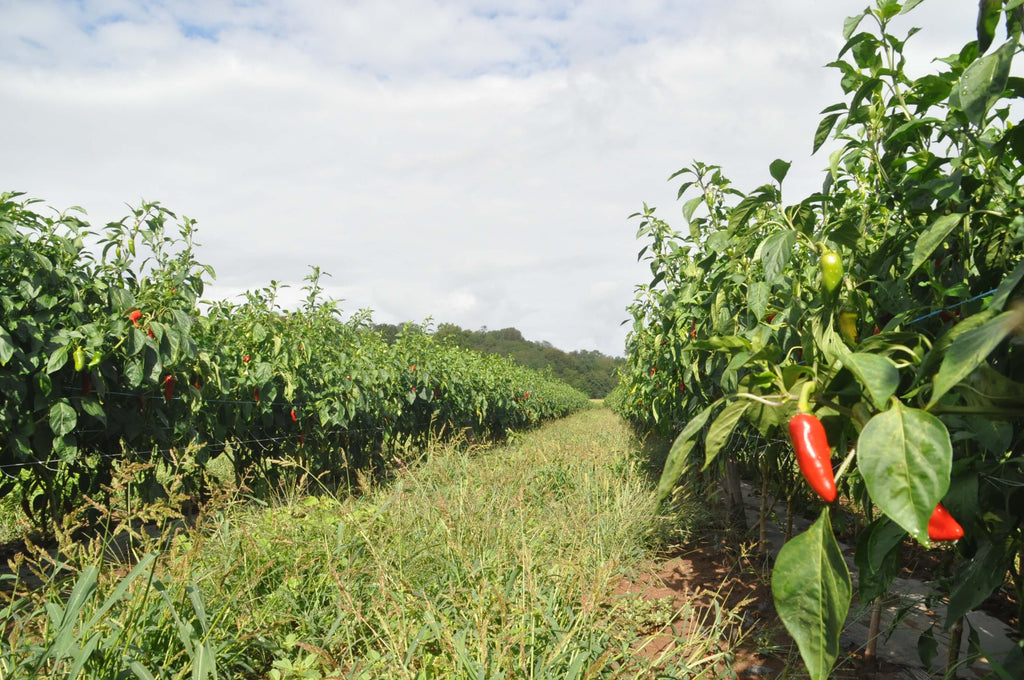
[905, 457]
[721, 429]
[983, 83]
[932, 238]
[877, 557]
[968, 351]
[690, 206]
[775, 252]
[877, 373]
[977, 578]
[824, 130]
[758, 293]
[778, 169]
[851, 23]
[676, 461]
[62, 418]
[1006, 287]
[57, 359]
[936, 354]
[6, 347]
[988, 18]
[812, 591]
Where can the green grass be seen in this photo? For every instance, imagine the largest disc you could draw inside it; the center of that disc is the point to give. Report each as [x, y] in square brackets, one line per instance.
[477, 563]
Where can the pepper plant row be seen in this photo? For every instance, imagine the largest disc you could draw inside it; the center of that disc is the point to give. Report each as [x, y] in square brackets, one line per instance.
[890, 300]
[105, 356]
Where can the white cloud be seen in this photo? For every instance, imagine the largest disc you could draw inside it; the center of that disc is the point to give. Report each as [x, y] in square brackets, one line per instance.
[476, 160]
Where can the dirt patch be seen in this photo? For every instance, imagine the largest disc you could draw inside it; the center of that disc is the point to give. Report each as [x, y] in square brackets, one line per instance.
[705, 582]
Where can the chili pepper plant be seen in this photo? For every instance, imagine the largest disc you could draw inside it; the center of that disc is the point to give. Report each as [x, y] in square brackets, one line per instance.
[891, 298]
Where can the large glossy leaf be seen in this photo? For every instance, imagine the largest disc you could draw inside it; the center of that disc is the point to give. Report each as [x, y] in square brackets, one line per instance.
[905, 457]
[876, 373]
[812, 591]
[983, 82]
[968, 351]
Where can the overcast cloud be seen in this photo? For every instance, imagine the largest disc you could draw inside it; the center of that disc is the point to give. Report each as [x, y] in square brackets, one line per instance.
[473, 162]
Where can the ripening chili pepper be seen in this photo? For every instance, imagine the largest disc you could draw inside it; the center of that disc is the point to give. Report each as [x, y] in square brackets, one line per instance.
[831, 270]
[86, 384]
[848, 326]
[256, 394]
[79, 356]
[134, 316]
[942, 526]
[169, 387]
[813, 454]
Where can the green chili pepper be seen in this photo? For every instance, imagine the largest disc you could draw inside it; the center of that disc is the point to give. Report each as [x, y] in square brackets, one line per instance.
[831, 270]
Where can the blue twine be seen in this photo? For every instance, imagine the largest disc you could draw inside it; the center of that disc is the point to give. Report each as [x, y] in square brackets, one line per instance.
[946, 309]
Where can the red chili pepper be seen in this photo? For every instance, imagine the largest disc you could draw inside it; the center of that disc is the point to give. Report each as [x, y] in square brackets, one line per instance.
[149, 332]
[813, 454]
[942, 526]
[134, 316]
[295, 418]
[245, 359]
[169, 387]
[256, 393]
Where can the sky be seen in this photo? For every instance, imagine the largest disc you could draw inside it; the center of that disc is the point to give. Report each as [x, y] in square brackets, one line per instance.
[466, 162]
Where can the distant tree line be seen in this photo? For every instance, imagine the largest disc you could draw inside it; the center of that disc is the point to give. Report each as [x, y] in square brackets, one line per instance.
[591, 372]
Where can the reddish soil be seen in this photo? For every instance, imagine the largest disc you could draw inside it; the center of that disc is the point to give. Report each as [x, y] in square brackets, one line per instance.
[699, 574]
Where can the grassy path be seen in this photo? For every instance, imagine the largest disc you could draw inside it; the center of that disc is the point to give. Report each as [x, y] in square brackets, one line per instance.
[506, 562]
